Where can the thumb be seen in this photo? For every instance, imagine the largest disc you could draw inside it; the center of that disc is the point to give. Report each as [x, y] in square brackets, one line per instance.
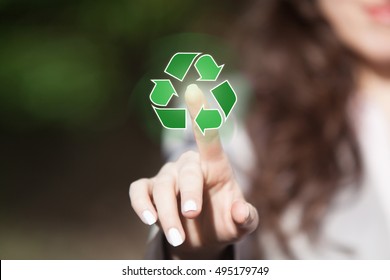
[245, 216]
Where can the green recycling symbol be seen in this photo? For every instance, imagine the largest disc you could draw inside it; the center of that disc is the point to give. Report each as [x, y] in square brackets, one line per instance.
[208, 70]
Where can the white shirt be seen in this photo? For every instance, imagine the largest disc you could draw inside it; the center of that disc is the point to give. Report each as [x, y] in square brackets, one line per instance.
[356, 226]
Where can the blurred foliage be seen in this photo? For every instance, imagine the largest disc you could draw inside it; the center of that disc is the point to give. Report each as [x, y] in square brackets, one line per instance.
[71, 64]
[66, 80]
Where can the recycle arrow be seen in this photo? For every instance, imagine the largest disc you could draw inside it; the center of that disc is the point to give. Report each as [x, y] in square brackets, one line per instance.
[207, 68]
[179, 64]
[171, 118]
[162, 92]
[225, 96]
[208, 119]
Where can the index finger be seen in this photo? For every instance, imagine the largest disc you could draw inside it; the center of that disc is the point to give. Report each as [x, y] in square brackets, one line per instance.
[209, 144]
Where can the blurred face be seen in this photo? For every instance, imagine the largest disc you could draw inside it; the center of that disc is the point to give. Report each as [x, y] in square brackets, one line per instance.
[362, 25]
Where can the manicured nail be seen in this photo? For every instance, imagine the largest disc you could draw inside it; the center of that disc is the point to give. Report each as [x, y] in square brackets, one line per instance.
[174, 237]
[148, 217]
[190, 205]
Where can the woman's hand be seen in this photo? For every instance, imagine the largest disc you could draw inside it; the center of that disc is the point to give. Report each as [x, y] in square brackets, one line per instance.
[196, 199]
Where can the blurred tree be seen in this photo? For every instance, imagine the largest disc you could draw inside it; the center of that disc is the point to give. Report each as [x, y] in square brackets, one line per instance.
[72, 63]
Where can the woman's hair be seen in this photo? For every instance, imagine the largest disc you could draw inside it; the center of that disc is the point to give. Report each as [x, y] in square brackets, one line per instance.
[300, 124]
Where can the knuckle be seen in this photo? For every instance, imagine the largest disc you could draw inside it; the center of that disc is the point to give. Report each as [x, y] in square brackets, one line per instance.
[169, 167]
[190, 155]
[135, 186]
[191, 181]
[138, 191]
[191, 168]
[164, 180]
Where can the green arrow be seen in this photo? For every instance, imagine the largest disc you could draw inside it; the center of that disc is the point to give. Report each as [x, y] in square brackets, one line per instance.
[162, 92]
[171, 118]
[208, 119]
[179, 64]
[207, 68]
[225, 96]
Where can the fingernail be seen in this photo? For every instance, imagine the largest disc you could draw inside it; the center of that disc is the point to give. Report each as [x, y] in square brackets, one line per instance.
[192, 87]
[174, 237]
[248, 213]
[148, 217]
[193, 94]
[190, 205]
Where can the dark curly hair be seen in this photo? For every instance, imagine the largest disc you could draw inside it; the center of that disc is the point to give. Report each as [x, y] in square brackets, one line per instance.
[300, 124]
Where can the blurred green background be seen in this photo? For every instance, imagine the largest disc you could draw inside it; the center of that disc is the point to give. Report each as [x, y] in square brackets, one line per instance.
[76, 126]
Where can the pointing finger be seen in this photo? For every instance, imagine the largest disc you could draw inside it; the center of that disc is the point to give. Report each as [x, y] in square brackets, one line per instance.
[209, 145]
